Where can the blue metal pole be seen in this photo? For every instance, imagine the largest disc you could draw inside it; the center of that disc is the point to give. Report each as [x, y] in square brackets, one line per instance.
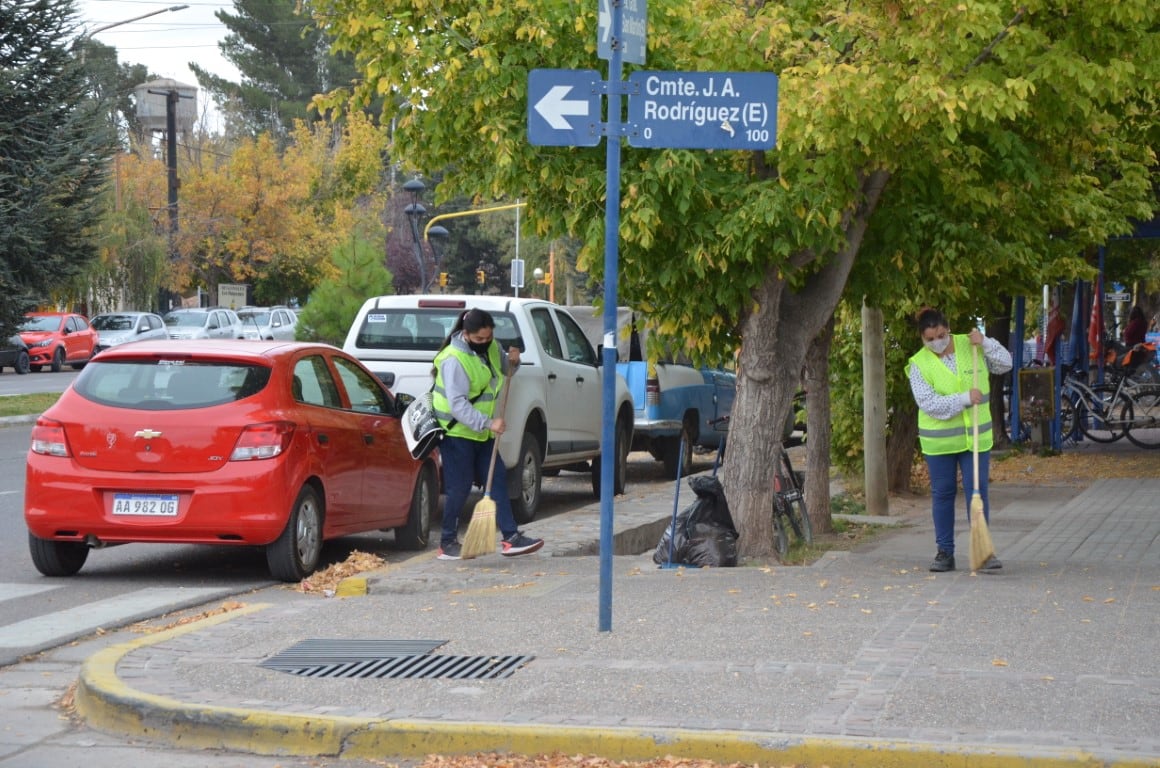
[611, 269]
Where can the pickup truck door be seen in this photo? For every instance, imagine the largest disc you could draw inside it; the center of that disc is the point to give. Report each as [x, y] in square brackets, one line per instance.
[573, 384]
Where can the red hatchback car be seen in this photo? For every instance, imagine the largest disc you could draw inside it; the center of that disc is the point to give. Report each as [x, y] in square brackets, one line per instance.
[58, 338]
[276, 444]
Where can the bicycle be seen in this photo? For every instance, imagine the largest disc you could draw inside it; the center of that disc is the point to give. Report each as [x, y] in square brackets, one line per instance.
[789, 500]
[789, 507]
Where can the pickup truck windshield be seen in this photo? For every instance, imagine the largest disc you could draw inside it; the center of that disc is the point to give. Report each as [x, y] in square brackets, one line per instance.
[425, 329]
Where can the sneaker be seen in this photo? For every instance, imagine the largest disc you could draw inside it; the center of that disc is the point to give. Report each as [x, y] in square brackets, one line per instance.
[519, 544]
[943, 561]
[991, 565]
[450, 550]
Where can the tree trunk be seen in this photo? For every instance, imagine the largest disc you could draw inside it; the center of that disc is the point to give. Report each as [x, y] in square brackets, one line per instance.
[776, 330]
[901, 446]
[818, 430]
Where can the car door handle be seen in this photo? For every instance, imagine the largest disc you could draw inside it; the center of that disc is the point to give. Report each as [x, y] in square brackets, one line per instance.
[579, 379]
[551, 377]
[323, 439]
[368, 439]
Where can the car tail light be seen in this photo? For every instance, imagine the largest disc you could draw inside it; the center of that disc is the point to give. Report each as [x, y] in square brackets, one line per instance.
[652, 391]
[48, 439]
[263, 441]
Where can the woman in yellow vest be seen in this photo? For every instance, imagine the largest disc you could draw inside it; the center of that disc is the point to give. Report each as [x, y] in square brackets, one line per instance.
[942, 380]
[469, 372]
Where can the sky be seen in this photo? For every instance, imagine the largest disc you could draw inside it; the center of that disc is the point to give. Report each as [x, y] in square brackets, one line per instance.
[164, 43]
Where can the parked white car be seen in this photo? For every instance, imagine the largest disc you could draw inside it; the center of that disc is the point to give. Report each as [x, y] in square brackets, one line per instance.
[268, 323]
[203, 323]
[555, 409]
[115, 328]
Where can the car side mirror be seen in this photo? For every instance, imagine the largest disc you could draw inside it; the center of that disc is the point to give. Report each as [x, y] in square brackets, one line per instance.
[402, 400]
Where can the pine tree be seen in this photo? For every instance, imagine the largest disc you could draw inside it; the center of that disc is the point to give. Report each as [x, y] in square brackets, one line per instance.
[55, 141]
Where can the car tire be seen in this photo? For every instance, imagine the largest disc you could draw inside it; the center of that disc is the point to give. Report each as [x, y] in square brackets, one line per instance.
[620, 472]
[57, 558]
[416, 533]
[525, 481]
[22, 366]
[295, 553]
[58, 360]
[673, 448]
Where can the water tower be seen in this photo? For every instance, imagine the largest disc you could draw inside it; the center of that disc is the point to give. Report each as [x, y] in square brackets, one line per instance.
[153, 105]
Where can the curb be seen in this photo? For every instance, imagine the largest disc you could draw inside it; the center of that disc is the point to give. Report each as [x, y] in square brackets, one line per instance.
[106, 703]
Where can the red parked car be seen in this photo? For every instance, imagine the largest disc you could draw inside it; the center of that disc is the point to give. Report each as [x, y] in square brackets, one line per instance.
[270, 443]
[58, 338]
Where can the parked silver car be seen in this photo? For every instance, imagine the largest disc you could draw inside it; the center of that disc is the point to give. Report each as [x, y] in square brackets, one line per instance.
[268, 323]
[203, 323]
[115, 328]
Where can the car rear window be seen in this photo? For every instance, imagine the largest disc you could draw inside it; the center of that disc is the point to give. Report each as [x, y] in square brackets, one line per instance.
[425, 329]
[169, 385]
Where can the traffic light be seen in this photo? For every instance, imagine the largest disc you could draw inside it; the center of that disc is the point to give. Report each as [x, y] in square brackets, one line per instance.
[443, 279]
[480, 276]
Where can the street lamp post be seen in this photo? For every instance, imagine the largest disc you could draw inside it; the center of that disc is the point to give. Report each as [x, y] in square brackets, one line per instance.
[416, 211]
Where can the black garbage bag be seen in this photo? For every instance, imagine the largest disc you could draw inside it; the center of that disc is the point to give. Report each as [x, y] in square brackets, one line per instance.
[705, 534]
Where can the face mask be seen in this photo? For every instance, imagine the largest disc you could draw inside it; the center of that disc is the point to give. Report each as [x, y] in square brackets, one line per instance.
[938, 346]
[479, 349]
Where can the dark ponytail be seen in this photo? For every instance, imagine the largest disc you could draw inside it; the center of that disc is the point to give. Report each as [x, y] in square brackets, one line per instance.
[929, 317]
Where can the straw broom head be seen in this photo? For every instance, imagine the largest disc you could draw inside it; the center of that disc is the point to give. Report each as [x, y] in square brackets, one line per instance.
[480, 538]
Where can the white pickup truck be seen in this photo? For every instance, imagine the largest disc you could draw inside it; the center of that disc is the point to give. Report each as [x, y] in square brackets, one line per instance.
[554, 412]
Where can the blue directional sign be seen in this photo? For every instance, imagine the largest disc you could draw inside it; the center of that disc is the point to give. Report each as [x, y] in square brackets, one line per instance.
[633, 30]
[702, 110]
[564, 107]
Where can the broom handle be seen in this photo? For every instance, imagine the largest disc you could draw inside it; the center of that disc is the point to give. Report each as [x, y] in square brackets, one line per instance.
[507, 386]
[975, 412]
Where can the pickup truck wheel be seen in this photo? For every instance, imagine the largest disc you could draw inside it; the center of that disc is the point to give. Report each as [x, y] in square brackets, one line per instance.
[524, 481]
[620, 472]
[673, 448]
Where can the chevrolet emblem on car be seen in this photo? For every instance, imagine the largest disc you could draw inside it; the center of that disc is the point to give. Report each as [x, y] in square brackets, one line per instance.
[148, 434]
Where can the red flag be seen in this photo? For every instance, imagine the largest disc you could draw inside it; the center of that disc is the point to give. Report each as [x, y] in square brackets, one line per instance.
[1096, 329]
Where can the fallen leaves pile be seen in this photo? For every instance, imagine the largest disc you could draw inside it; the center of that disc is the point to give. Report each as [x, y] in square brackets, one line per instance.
[325, 582]
[1071, 467]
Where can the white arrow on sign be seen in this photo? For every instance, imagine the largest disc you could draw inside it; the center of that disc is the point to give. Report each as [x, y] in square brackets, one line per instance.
[604, 20]
[554, 107]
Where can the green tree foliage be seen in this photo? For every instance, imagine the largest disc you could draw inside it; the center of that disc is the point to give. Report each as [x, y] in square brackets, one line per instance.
[284, 61]
[357, 274]
[113, 83]
[54, 149]
[992, 133]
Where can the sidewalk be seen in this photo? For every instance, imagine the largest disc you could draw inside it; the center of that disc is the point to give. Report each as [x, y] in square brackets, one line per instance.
[862, 659]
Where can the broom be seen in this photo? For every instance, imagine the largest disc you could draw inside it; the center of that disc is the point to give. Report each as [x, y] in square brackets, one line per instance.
[981, 546]
[480, 538]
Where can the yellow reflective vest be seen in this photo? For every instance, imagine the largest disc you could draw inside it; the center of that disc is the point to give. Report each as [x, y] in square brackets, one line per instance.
[956, 434]
[484, 384]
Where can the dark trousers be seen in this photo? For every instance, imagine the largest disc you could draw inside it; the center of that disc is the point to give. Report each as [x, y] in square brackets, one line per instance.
[465, 462]
[944, 470]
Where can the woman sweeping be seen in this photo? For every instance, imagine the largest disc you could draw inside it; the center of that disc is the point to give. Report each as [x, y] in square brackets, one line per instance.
[941, 378]
[469, 372]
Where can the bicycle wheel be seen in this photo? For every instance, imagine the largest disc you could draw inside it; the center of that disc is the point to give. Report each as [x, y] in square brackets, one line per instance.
[1106, 419]
[1068, 419]
[799, 518]
[1145, 417]
[780, 534]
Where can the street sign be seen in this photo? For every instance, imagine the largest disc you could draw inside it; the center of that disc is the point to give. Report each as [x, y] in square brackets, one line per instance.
[564, 107]
[517, 273]
[633, 30]
[702, 110]
[1118, 296]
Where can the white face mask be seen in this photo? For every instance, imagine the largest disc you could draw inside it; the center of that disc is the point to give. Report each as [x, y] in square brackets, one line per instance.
[938, 346]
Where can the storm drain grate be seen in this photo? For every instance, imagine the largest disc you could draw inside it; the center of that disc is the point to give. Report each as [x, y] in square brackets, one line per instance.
[388, 659]
[422, 667]
[317, 653]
